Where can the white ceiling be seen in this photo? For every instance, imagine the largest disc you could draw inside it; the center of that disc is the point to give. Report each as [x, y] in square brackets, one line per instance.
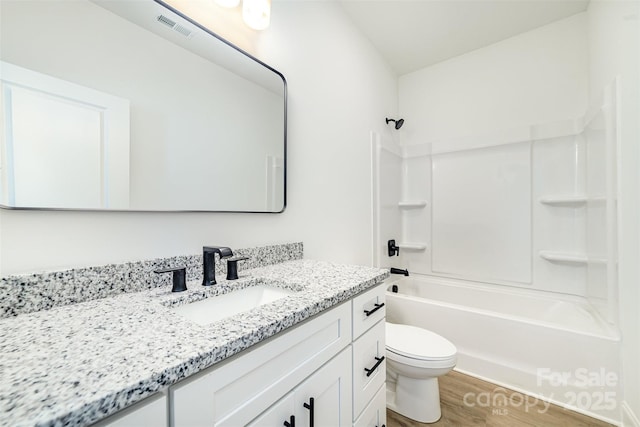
[413, 34]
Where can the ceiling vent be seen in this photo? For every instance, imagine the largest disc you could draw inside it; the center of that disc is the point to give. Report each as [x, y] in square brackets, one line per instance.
[175, 26]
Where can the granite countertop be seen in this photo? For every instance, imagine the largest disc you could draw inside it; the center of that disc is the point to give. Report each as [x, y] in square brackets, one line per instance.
[77, 364]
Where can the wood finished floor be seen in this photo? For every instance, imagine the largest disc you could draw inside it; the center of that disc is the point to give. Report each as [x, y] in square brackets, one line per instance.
[455, 412]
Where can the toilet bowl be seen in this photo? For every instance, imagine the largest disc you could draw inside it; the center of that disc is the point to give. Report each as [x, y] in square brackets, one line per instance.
[416, 358]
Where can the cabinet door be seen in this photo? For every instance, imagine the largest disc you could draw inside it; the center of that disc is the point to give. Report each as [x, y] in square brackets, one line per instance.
[375, 414]
[277, 414]
[368, 353]
[330, 388]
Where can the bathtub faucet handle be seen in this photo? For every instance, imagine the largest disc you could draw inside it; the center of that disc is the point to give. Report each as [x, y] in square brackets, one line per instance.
[392, 248]
[394, 270]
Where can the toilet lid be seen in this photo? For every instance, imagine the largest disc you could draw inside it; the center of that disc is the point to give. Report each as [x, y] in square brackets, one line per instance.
[417, 343]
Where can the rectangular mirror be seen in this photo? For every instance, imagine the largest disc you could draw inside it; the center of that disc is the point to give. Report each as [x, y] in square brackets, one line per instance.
[129, 105]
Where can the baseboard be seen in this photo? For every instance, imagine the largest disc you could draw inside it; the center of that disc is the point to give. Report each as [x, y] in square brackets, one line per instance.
[629, 418]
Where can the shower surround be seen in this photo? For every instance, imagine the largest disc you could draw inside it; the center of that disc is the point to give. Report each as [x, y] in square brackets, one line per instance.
[529, 210]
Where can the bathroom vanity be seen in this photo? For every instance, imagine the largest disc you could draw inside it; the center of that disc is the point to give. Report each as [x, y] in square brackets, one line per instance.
[313, 357]
[311, 373]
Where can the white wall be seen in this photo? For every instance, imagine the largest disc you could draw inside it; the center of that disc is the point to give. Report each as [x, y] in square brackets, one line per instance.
[339, 90]
[614, 38]
[535, 77]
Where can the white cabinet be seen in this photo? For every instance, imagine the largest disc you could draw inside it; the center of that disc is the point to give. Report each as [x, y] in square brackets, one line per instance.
[151, 412]
[369, 364]
[330, 388]
[283, 411]
[234, 392]
[368, 309]
[336, 358]
[320, 400]
[369, 367]
[375, 414]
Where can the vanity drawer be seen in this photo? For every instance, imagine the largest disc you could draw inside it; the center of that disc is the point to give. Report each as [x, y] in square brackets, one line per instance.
[375, 414]
[368, 351]
[368, 309]
[243, 387]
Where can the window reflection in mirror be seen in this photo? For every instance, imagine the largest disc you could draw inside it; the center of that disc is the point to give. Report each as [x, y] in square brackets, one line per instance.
[126, 105]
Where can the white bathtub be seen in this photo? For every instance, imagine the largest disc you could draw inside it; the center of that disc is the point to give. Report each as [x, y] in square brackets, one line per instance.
[552, 346]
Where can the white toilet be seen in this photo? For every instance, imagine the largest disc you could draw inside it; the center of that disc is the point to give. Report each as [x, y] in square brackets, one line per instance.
[416, 358]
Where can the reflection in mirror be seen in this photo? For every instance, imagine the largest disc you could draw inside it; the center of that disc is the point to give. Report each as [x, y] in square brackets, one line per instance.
[127, 105]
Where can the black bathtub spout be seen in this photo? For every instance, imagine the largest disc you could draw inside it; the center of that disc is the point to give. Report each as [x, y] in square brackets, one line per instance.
[394, 270]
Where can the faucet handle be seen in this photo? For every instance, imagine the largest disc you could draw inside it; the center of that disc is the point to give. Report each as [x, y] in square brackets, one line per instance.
[232, 267]
[179, 278]
[392, 248]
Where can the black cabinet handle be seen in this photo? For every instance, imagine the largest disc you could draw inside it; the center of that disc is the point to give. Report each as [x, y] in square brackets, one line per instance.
[377, 307]
[310, 407]
[292, 422]
[370, 371]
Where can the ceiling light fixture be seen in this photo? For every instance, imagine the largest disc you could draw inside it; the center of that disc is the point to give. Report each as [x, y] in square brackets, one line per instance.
[228, 3]
[256, 13]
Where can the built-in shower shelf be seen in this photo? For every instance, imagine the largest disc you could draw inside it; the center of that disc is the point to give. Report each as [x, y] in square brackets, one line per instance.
[410, 204]
[412, 246]
[569, 200]
[570, 258]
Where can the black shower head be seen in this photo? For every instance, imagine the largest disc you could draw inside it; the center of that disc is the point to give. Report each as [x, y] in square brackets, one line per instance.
[398, 122]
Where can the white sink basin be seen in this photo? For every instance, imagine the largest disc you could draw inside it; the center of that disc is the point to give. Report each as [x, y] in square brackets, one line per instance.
[218, 307]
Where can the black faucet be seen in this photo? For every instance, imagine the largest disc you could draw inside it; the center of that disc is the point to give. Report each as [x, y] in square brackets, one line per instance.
[209, 262]
[394, 270]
